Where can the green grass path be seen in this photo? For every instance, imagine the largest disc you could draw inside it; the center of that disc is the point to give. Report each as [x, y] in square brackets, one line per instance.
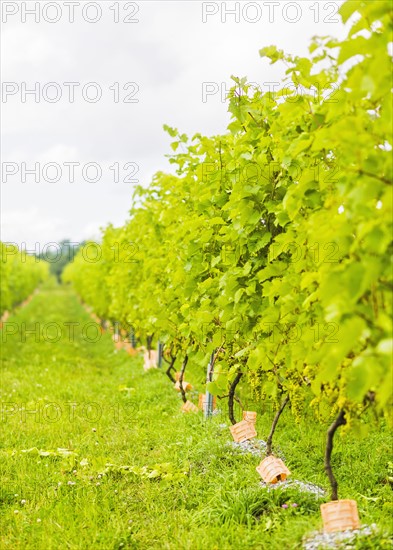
[184, 488]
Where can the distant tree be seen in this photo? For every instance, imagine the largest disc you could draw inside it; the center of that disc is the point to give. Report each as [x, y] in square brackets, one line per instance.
[60, 255]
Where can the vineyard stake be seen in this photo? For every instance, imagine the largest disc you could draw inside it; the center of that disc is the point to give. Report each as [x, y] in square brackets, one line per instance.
[208, 408]
[160, 348]
[132, 339]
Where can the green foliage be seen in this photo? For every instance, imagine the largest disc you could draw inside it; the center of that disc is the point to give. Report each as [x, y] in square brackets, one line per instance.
[88, 271]
[20, 274]
[59, 257]
[273, 241]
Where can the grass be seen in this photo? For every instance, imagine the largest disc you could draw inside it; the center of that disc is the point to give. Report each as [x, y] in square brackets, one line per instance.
[174, 483]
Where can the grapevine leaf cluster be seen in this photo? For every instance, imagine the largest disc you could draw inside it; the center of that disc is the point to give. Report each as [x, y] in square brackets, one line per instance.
[270, 245]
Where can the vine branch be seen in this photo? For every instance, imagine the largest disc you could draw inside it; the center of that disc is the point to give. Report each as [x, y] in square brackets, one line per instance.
[274, 425]
[231, 396]
[182, 370]
[339, 421]
[170, 367]
[375, 176]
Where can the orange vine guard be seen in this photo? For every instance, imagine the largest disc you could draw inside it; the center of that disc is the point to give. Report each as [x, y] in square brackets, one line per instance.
[150, 360]
[272, 469]
[242, 431]
[186, 386]
[340, 515]
[188, 406]
[250, 416]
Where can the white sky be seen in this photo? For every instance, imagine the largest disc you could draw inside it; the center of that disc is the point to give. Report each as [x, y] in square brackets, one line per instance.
[169, 54]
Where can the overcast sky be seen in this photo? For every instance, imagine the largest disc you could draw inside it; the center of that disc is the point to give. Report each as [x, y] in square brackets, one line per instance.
[163, 55]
